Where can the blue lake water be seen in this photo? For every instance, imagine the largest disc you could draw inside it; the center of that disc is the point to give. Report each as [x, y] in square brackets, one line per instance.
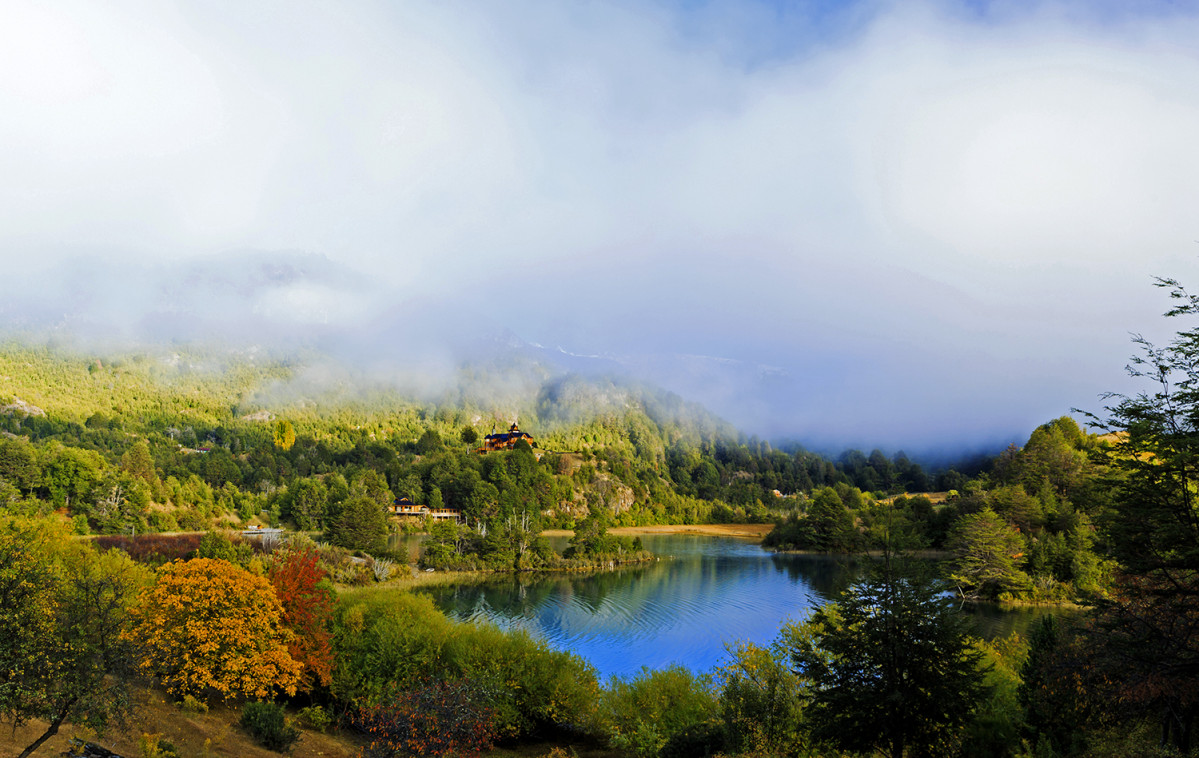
[703, 594]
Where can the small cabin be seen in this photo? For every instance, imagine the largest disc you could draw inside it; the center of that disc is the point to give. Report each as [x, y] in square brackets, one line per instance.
[405, 508]
[505, 441]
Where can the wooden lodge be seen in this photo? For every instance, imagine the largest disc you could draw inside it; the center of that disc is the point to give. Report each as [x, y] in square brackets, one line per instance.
[506, 441]
[405, 508]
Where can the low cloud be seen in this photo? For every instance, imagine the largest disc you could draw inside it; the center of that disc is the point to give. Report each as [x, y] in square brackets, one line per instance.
[889, 223]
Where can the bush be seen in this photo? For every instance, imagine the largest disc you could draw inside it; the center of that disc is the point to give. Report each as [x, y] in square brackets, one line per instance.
[154, 746]
[191, 520]
[761, 697]
[191, 705]
[316, 717]
[640, 715]
[394, 640]
[161, 521]
[697, 741]
[534, 685]
[435, 719]
[225, 547]
[265, 721]
[343, 567]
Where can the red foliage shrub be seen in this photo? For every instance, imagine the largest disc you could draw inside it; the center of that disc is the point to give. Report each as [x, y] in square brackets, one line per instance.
[307, 610]
[436, 719]
[154, 549]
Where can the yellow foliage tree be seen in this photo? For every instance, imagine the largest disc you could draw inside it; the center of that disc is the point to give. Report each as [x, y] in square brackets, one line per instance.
[285, 434]
[207, 626]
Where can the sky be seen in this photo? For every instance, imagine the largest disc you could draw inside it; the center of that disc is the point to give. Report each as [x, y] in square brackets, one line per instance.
[869, 223]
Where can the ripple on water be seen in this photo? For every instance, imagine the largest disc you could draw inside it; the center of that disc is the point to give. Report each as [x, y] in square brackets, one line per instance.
[684, 610]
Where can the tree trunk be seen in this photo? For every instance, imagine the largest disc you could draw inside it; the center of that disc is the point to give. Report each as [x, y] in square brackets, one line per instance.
[50, 732]
[1177, 726]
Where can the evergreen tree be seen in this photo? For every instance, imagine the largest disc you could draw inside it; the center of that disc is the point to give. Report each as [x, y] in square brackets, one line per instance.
[890, 668]
[138, 463]
[362, 525]
[1054, 710]
[986, 550]
[306, 503]
[830, 523]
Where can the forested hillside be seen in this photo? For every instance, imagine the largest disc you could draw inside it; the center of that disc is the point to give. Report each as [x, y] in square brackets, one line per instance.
[197, 439]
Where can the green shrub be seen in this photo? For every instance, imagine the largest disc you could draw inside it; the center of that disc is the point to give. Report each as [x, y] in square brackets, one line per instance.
[190, 520]
[388, 640]
[220, 546]
[154, 746]
[191, 705]
[696, 741]
[316, 717]
[535, 685]
[384, 640]
[265, 721]
[161, 521]
[640, 715]
[760, 697]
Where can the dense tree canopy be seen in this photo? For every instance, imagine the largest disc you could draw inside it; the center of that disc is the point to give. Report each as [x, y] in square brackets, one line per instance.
[141, 444]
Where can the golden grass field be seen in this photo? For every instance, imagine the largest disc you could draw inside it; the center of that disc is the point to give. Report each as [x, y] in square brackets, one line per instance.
[749, 531]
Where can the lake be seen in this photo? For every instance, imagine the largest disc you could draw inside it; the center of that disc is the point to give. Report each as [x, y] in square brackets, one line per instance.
[684, 608]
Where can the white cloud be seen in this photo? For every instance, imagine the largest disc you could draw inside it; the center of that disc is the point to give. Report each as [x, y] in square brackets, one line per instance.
[886, 192]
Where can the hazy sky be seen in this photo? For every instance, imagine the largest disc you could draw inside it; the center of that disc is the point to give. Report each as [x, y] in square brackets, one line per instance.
[871, 223]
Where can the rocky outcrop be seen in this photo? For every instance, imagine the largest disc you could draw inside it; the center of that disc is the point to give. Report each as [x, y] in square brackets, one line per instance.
[21, 408]
[81, 749]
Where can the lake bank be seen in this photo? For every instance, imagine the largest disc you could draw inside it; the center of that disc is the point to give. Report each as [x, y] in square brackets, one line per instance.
[745, 531]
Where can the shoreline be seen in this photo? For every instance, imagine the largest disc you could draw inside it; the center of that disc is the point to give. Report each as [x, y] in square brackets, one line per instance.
[753, 532]
[440, 577]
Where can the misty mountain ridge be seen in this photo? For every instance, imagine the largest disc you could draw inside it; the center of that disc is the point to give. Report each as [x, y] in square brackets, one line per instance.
[254, 383]
[344, 335]
[284, 302]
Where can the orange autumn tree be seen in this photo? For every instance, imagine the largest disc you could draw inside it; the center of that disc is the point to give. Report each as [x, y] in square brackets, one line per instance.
[307, 609]
[207, 626]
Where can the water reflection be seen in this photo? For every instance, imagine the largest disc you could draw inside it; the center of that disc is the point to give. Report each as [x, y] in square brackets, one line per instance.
[991, 621]
[683, 609]
[705, 593]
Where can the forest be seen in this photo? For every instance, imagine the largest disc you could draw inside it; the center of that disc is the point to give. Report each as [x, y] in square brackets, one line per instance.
[126, 481]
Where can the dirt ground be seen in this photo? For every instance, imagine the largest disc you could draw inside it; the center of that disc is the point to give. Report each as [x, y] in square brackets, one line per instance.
[751, 531]
[195, 735]
[215, 734]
